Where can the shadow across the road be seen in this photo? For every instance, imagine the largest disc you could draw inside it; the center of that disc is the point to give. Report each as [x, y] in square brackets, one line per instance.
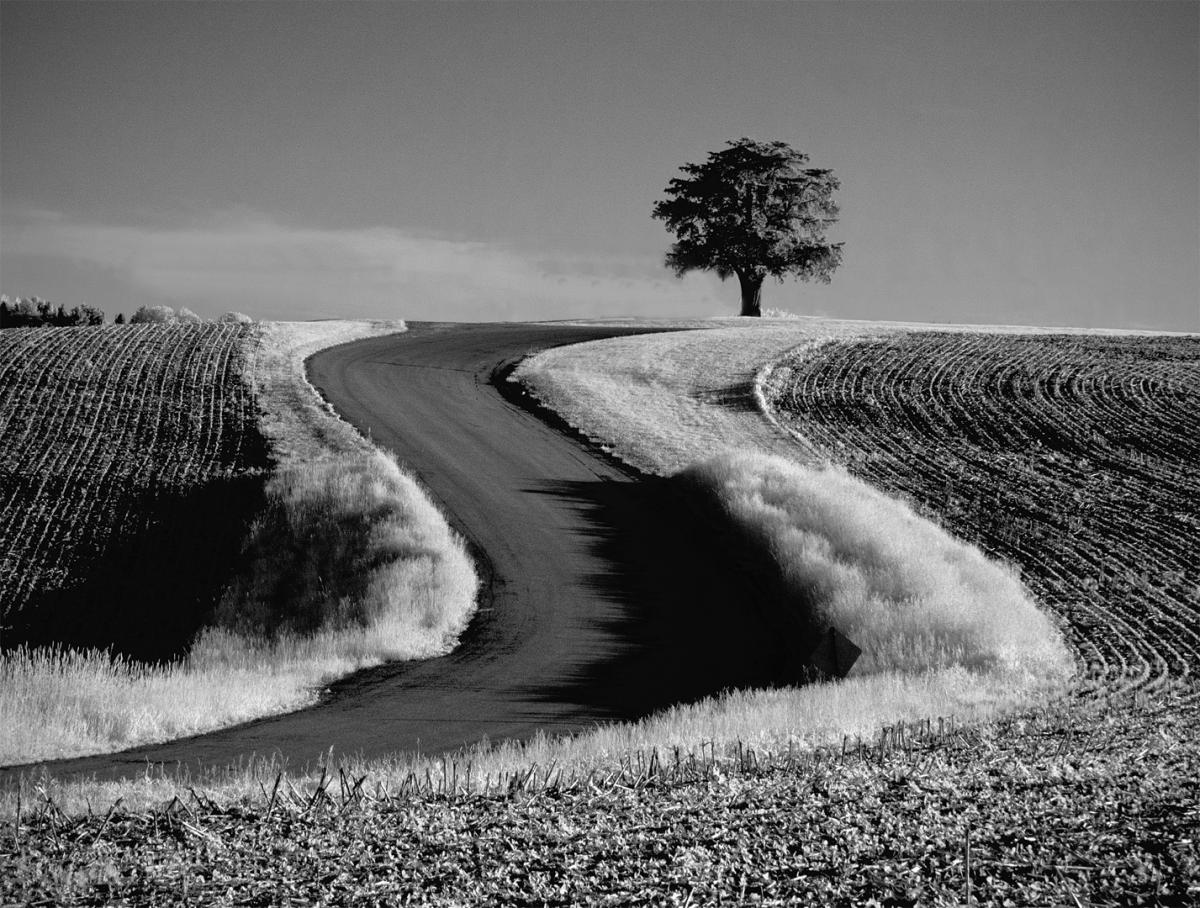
[696, 608]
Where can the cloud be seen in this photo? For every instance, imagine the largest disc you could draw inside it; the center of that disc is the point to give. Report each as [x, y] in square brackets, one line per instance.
[247, 261]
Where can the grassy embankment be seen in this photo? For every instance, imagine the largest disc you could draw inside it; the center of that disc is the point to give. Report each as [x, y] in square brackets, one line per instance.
[347, 565]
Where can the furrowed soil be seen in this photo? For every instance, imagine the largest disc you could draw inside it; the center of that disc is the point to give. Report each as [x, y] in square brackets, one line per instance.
[130, 466]
[1073, 457]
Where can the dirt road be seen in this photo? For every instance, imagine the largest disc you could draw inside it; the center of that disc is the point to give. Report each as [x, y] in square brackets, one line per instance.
[601, 600]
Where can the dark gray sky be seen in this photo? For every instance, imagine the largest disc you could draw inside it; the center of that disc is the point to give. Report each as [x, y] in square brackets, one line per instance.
[1032, 163]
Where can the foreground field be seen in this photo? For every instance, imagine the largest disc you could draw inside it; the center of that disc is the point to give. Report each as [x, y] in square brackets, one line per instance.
[1085, 804]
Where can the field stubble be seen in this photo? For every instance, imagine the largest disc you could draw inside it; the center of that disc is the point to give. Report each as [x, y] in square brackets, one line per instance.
[1079, 803]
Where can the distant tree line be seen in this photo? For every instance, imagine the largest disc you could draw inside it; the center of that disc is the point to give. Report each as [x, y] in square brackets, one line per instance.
[35, 312]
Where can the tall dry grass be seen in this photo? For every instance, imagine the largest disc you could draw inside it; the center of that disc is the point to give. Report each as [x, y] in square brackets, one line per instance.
[349, 542]
[58, 702]
[911, 596]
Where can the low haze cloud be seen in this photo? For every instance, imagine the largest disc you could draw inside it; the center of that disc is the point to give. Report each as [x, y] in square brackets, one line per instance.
[251, 262]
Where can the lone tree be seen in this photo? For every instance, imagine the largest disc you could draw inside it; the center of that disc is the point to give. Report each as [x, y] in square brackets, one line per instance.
[752, 209]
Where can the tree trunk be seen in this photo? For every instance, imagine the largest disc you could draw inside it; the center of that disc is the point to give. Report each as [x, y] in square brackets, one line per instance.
[751, 293]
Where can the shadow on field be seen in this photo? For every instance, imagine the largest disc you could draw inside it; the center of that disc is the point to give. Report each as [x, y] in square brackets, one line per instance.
[150, 589]
[697, 608]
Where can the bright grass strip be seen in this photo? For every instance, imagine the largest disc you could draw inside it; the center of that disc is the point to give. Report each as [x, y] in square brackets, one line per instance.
[357, 517]
[782, 722]
[662, 401]
[59, 702]
[353, 562]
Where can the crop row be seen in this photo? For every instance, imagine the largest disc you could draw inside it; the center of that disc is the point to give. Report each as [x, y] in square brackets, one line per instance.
[100, 425]
[1072, 457]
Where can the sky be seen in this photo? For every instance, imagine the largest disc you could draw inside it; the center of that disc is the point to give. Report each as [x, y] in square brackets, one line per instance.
[1000, 162]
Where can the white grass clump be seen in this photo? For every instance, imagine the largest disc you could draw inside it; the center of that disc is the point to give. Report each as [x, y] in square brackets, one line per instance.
[59, 702]
[351, 542]
[911, 596]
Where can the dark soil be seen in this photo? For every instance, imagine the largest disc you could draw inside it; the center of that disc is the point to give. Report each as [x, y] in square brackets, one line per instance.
[1081, 804]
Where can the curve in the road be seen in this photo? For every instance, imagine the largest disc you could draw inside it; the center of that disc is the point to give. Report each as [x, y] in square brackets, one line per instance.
[604, 598]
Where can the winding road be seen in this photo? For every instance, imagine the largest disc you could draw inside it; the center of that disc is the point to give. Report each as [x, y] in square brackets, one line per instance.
[601, 596]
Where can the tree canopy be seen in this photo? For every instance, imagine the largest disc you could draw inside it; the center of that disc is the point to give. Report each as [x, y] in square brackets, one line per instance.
[752, 209]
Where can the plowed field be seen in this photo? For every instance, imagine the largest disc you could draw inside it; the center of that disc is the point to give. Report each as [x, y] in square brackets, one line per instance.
[1076, 458]
[127, 454]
